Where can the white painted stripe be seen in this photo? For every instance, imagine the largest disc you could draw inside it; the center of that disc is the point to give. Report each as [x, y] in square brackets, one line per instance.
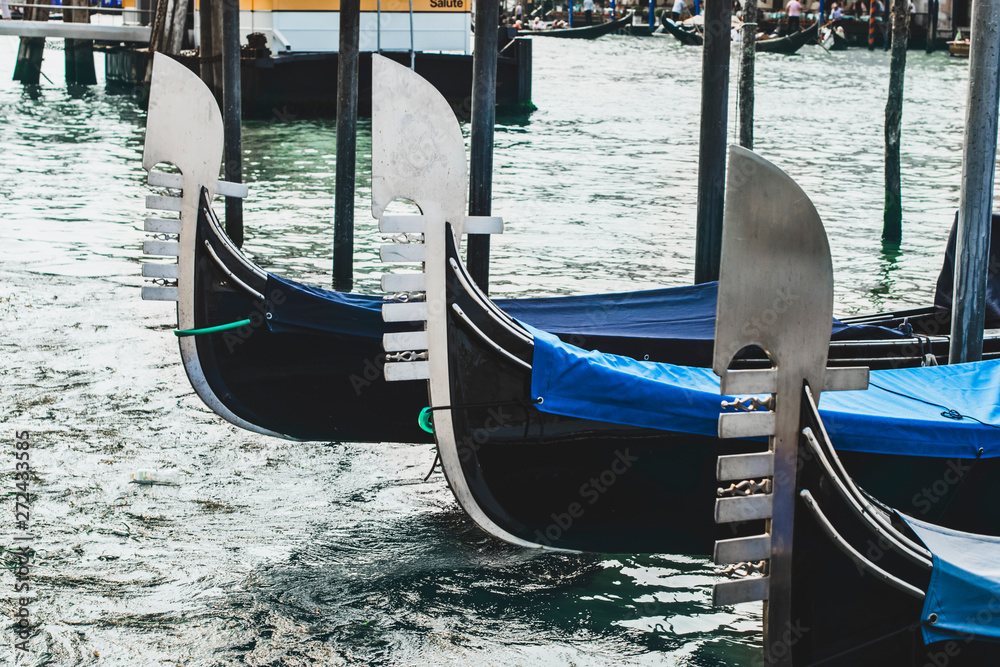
[162, 225]
[161, 179]
[746, 424]
[168, 271]
[483, 224]
[227, 189]
[405, 340]
[404, 282]
[742, 549]
[150, 293]
[402, 252]
[845, 379]
[163, 203]
[743, 508]
[161, 248]
[751, 589]
[405, 312]
[756, 381]
[407, 370]
[401, 224]
[744, 466]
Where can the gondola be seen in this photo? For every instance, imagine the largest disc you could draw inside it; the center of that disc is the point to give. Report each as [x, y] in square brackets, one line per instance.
[789, 43]
[846, 580]
[306, 363]
[688, 36]
[833, 39]
[548, 445]
[584, 32]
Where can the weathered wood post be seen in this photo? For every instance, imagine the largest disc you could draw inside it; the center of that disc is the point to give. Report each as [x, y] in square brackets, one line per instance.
[232, 115]
[28, 67]
[892, 215]
[712, 152]
[748, 55]
[932, 21]
[167, 35]
[484, 91]
[210, 45]
[972, 241]
[79, 52]
[347, 142]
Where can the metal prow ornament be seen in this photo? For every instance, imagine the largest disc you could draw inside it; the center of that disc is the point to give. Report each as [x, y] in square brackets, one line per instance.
[183, 128]
[775, 292]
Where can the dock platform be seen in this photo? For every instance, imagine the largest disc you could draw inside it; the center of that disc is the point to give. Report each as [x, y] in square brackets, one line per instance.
[98, 32]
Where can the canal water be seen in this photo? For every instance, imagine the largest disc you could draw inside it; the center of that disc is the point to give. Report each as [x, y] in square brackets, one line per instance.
[265, 552]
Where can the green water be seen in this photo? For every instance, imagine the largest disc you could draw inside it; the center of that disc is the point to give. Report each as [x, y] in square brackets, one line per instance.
[271, 553]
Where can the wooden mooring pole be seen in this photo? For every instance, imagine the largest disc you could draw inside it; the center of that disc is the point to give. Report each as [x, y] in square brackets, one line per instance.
[232, 115]
[712, 151]
[484, 91]
[79, 52]
[210, 47]
[972, 241]
[932, 23]
[748, 53]
[28, 67]
[892, 214]
[347, 141]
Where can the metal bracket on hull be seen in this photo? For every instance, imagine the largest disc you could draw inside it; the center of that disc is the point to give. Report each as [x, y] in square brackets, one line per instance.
[418, 154]
[775, 292]
[184, 129]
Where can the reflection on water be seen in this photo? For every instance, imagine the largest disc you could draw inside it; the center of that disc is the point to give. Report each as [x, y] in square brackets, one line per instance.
[272, 552]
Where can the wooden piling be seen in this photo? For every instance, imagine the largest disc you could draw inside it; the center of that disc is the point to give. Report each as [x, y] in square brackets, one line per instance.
[178, 26]
[932, 22]
[347, 128]
[79, 52]
[484, 91]
[232, 115]
[167, 34]
[210, 46]
[748, 54]
[972, 240]
[28, 67]
[892, 214]
[712, 150]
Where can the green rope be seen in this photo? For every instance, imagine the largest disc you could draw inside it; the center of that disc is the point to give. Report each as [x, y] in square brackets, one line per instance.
[222, 327]
[426, 419]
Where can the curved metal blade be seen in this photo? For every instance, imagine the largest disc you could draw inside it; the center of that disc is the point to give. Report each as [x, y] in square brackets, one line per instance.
[184, 125]
[776, 276]
[418, 152]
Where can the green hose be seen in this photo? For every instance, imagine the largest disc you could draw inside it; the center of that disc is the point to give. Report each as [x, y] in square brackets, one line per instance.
[208, 330]
[426, 420]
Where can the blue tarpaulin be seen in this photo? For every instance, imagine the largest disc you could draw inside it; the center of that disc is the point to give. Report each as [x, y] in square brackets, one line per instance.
[900, 413]
[964, 591]
[676, 313]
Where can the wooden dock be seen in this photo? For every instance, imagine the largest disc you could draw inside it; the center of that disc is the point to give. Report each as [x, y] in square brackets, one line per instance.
[101, 33]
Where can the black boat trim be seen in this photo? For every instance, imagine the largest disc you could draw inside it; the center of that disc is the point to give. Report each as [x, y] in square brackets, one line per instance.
[486, 339]
[837, 472]
[903, 546]
[852, 553]
[470, 286]
[221, 237]
[232, 276]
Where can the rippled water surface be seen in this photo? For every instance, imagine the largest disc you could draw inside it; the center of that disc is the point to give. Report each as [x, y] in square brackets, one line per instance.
[267, 552]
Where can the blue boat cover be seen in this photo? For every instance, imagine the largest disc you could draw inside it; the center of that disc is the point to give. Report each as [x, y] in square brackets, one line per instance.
[964, 590]
[946, 411]
[677, 313]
